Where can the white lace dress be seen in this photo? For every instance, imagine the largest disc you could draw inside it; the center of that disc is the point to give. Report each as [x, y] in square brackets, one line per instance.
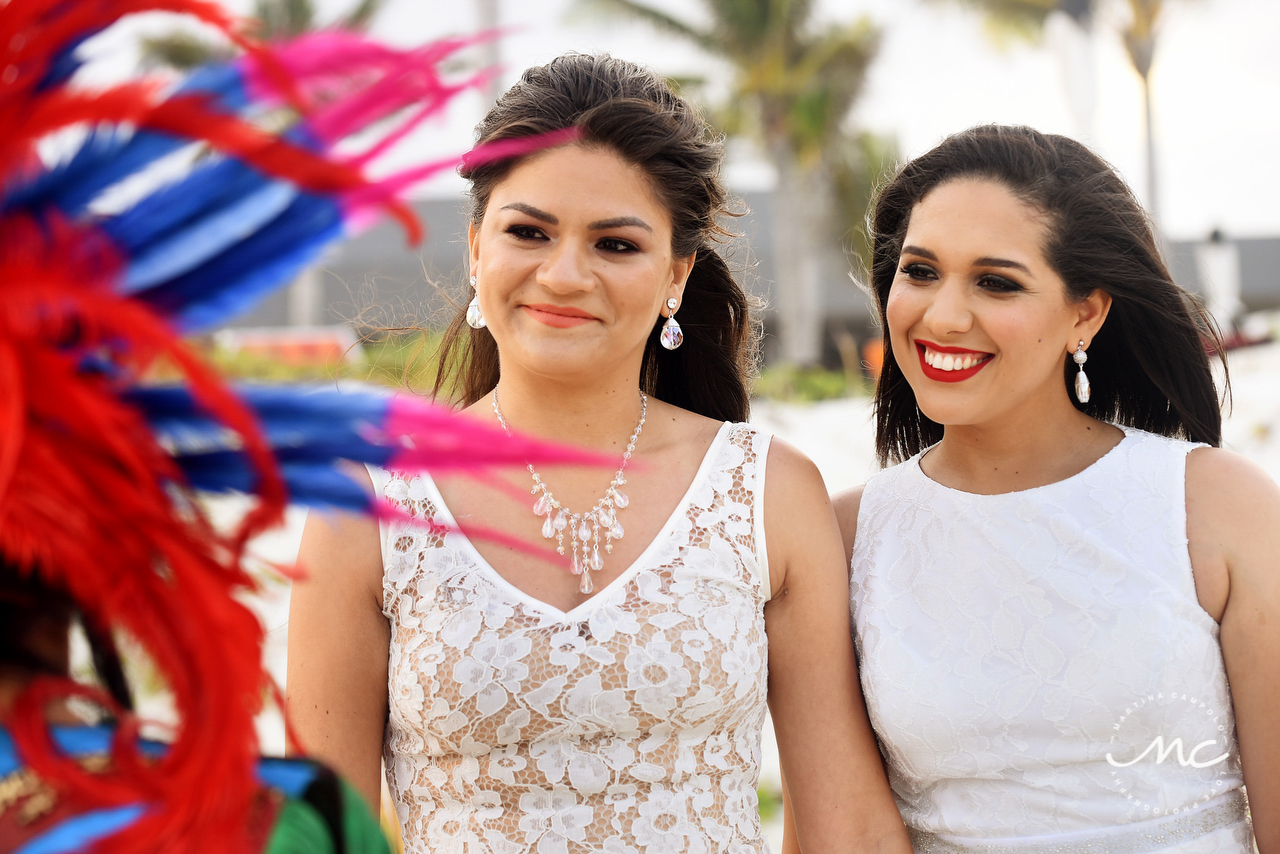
[1009, 644]
[630, 724]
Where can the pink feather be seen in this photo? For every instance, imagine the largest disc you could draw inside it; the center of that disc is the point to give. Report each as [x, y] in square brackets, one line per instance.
[434, 437]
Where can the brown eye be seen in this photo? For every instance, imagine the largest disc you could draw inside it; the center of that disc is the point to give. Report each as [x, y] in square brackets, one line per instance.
[524, 232]
[999, 284]
[919, 272]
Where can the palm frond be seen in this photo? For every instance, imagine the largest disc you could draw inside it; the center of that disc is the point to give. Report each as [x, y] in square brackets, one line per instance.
[1016, 20]
[360, 17]
[181, 50]
[744, 25]
[862, 163]
[282, 19]
[1140, 34]
[838, 54]
[794, 14]
[664, 22]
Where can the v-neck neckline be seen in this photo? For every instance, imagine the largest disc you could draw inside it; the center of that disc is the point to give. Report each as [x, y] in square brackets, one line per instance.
[573, 614]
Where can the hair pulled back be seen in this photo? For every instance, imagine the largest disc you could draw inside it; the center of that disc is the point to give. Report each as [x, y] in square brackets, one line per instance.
[633, 112]
[1152, 368]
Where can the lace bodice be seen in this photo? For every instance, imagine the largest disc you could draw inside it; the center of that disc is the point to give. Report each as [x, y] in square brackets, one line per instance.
[630, 724]
[1009, 643]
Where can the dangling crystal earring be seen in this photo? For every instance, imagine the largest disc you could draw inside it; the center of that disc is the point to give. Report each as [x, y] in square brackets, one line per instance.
[1082, 382]
[474, 318]
[672, 335]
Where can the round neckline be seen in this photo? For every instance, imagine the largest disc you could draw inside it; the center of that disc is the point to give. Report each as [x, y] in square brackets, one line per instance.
[1129, 434]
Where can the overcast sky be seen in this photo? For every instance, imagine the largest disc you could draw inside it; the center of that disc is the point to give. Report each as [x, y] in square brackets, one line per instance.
[1216, 83]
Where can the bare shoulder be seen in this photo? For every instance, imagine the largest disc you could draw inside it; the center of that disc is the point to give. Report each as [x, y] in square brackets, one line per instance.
[342, 550]
[1226, 488]
[1232, 508]
[799, 525]
[1217, 468]
[847, 504]
[792, 474]
[673, 426]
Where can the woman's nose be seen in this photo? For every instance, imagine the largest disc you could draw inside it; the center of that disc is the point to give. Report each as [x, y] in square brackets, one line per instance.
[948, 310]
[567, 270]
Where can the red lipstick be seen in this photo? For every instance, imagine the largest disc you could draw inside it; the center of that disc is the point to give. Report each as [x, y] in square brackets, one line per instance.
[950, 376]
[558, 316]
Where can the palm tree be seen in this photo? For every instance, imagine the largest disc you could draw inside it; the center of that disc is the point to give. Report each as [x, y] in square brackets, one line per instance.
[1140, 42]
[793, 88]
[277, 19]
[1027, 17]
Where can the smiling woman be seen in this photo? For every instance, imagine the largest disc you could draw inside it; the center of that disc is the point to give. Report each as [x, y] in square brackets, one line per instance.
[608, 695]
[1057, 571]
[671, 172]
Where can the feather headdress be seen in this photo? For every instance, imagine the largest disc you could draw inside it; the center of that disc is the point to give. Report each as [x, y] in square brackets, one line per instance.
[97, 467]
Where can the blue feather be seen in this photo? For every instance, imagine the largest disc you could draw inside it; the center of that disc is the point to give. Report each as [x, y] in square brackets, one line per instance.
[217, 230]
[107, 157]
[290, 416]
[238, 278]
[317, 484]
[171, 207]
[65, 63]
[309, 431]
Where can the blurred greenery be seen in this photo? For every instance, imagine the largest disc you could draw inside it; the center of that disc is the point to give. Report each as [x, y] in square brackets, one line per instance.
[277, 19]
[408, 362]
[792, 383]
[770, 803]
[398, 361]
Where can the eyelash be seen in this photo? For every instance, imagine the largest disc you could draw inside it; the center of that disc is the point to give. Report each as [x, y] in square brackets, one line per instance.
[999, 284]
[988, 282]
[619, 246]
[917, 272]
[614, 245]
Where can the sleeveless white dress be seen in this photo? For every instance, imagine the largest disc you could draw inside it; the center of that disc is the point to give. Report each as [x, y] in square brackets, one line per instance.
[629, 725]
[1009, 644]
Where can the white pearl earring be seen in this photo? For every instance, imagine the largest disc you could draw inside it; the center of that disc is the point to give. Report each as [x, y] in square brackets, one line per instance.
[1082, 381]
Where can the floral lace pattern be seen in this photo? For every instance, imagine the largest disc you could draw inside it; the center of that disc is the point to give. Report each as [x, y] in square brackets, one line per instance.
[629, 725]
[1009, 644]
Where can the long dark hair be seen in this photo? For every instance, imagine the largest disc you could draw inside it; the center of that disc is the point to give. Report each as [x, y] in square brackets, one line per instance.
[28, 605]
[1152, 368]
[633, 112]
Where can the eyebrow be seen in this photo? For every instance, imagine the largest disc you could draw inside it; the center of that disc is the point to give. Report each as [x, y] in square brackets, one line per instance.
[986, 261]
[598, 225]
[916, 250]
[1002, 262]
[619, 222]
[536, 213]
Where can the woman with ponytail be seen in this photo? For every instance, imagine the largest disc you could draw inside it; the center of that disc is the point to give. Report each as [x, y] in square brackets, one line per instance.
[605, 692]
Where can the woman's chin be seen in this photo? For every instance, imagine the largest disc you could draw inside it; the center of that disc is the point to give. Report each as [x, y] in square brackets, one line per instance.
[570, 364]
[956, 413]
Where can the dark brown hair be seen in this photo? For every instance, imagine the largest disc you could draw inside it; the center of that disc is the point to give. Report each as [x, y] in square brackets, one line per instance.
[631, 111]
[1148, 363]
[28, 606]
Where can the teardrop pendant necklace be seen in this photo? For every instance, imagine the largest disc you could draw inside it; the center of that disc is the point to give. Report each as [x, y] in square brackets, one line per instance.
[586, 530]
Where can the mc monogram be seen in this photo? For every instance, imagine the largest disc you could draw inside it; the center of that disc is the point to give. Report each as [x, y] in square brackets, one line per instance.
[1162, 752]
